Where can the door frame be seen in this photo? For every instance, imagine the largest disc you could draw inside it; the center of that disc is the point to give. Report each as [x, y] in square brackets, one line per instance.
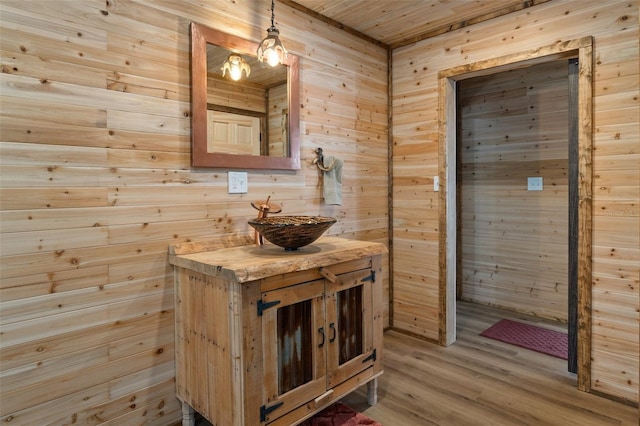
[582, 49]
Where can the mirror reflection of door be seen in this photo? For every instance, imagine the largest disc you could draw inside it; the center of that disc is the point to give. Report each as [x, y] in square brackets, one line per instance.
[263, 92]
[233, 133]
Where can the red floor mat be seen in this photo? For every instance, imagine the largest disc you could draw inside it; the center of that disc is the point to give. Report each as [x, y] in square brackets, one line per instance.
[339, 414]
[528, 336]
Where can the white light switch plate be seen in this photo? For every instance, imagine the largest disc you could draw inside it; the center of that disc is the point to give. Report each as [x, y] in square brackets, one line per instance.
[436, 183]
[238, 182]
[534, 184]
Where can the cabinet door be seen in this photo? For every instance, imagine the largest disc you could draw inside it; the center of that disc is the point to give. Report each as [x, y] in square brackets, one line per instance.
[350, 320]
[294, 340]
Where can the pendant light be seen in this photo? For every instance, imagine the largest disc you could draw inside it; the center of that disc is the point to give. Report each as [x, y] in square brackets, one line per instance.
[236, 64]
[270, 49]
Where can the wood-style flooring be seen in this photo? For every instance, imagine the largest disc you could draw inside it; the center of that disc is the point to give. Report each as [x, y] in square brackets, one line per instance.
[479, 381]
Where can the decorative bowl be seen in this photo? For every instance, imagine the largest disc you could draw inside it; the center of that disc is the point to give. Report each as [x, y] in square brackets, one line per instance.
[292, 232]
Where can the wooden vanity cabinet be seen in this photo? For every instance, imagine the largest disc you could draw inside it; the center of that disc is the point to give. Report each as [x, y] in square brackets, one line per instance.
[265, 336]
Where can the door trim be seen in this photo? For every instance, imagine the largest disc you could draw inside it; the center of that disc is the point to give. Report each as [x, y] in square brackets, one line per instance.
[581, 48]
[572, 300]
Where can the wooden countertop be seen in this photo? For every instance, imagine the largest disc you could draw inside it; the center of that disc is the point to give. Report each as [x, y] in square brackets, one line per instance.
[252, 262]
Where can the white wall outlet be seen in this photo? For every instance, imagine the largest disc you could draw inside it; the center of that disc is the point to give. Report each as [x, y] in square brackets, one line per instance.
[534, 184]
[436, 183]
[238, 182]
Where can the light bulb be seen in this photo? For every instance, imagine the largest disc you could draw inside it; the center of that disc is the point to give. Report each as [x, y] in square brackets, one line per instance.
[273, 58]
[235, 72]
[235, 65]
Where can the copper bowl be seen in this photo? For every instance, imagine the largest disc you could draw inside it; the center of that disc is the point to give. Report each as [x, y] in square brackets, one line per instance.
[292, 232]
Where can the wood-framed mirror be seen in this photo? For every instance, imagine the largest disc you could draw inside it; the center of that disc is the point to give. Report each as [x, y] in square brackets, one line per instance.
[252, 123]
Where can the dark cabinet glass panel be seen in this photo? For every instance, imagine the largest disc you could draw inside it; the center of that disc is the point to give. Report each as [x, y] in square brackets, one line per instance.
[295, 358]
[350, 323]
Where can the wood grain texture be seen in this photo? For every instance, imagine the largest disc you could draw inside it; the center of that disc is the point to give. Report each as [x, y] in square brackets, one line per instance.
[613, 145]
[512, 125]
[495, 382]
[95, 93]
[405, 21]
[233, 361]
[250, 262]
[96, 184]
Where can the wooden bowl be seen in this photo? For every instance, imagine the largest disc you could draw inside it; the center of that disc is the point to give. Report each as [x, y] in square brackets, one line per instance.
[292, 232]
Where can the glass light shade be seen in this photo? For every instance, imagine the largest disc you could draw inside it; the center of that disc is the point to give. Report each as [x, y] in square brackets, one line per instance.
[235, 64]
[271, 49]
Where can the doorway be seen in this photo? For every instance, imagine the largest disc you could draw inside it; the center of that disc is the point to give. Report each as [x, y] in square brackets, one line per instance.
[513, 190]
[448, 145]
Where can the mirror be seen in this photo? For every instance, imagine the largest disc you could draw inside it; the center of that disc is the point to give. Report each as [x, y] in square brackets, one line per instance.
[252, 123]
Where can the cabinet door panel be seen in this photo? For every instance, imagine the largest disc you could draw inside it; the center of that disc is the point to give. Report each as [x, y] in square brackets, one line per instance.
[294, 346]
[349, 322]
[349, 318]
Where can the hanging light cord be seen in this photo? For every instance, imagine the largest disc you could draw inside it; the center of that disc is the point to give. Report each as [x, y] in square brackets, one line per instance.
[273, 17]
[273, 25]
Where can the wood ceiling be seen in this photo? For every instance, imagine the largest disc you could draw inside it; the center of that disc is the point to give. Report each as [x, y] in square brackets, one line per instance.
[396, 23]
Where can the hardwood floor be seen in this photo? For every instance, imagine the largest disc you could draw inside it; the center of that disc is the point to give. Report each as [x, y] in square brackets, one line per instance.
[479, 381]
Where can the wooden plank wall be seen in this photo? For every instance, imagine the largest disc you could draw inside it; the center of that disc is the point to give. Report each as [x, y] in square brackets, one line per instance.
[616, 228]
[513, 125]
[278, 118]
[229, 94]
[96, 183]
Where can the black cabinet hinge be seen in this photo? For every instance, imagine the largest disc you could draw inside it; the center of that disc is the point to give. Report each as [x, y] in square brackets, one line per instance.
[373, 357]
[262, 306]
[371, 277]
[264, 410]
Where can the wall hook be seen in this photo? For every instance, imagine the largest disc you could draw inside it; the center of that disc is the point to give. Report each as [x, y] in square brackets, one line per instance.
[319, 161]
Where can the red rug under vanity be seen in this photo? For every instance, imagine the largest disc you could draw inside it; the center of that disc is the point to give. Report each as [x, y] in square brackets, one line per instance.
[550, 342]
[339, 414]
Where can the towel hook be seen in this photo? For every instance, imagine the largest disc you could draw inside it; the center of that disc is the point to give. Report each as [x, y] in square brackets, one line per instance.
[319, 161]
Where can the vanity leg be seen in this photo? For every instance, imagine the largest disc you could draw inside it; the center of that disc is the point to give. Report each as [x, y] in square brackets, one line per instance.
[188, 417]
[372, 392]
